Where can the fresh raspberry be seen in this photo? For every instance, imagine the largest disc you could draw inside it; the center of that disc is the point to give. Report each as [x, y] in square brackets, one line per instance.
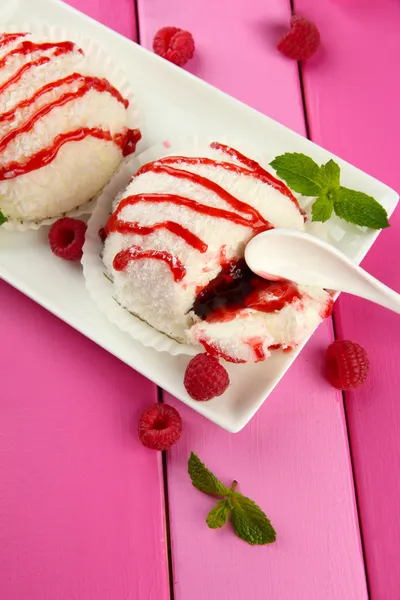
[301, 41]
[174, 44]
[160, 426]
[66, 238]
[205, 377]
[347, 365]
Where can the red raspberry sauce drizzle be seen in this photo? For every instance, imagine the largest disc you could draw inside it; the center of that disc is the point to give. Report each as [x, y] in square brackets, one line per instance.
[28, 47]
[256, 170]
[253, 169]
[256, 344]
[256, 220]
[123, 258]
[128, 228]
[89, 83]
[7, 38]
[214, 350]
[47, 155]
[115, 224]
[126, 140]
[18, 74]
[327, 309]
[275, 347]
[158, 167]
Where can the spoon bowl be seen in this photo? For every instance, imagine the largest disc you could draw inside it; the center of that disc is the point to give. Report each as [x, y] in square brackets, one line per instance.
[308, 260]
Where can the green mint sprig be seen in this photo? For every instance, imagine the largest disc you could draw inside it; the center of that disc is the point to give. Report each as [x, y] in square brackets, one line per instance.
[305, 177]
[248, 520]
[3, 219]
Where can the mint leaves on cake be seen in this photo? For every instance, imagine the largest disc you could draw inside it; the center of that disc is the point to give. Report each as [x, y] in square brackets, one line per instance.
[249, 522]
[3, 219]
[305, 177]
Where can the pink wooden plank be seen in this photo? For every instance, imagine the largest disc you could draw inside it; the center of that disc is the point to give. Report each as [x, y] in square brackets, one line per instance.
[81, 500]
[352, 92]
[119, 16]
[293, 457]
[228, 41]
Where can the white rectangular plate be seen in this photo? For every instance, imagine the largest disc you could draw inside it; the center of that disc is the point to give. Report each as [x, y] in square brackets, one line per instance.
[173, 103]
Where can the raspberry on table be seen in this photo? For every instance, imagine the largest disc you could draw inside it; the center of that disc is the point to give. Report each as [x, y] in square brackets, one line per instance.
[347, 365]
[174, 44]
[66, 238]
[301, 41]
[160, 426]
[205, 377]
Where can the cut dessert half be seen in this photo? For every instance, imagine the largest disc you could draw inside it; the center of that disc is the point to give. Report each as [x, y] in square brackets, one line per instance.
[174, 250]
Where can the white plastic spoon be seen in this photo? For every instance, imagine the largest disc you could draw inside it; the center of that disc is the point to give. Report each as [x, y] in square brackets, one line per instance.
[307, 260]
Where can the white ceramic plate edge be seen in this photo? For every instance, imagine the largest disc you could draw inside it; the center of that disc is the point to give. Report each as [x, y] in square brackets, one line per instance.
[90, 327]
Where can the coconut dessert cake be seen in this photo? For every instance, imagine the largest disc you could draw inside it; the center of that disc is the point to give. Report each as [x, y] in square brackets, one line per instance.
[174, 250]
[63, 128]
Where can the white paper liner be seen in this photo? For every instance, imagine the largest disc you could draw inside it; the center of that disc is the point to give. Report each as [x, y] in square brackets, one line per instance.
[101, 288]
[103, 66]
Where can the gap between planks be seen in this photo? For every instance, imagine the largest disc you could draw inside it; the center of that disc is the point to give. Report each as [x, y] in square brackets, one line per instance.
[160, 391]
[161, 400]
[136, 13]
[166, 512]
[335, 335]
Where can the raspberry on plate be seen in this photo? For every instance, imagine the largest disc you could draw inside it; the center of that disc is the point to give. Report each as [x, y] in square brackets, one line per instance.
[66, 238]
[174, 44]
[205, 377]
[160, 426]
[301, 41]
[347, 365]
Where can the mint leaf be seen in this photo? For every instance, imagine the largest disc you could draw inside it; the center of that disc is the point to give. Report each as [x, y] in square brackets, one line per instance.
[329, 175]
[218, 516]
[360, 209]
[299, 171]
[3, 219]
[203, 479]
[304, 176]
[249, 521]
[322, 209]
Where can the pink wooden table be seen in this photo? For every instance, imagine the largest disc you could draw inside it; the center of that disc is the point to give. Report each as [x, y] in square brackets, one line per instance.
[86, 512]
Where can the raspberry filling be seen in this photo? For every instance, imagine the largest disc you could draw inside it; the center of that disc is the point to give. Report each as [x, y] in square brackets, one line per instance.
[236, 287]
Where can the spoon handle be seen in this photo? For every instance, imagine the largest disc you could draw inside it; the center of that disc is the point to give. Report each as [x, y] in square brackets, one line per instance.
[370, 288]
